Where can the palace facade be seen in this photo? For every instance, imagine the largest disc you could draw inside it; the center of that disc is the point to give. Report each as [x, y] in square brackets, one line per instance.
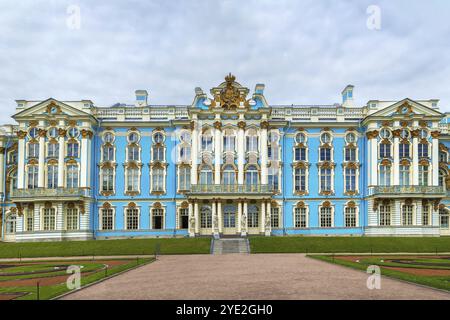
[229, 163]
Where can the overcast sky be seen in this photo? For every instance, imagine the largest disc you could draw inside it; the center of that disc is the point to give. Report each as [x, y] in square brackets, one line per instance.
[305, 52]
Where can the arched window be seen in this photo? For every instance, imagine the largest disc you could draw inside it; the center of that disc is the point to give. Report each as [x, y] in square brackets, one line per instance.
[205, 217]
[33, 173]
[385, 175]
[11, 223]
[157, 179]
[185, 153]
[206, 175]
[72, 149]
[423, 175]
[423, 150]
[229, 175]
[184, 176]
[385, 150]
[404, 150]
[251, 177]
[52, 176]
[253, 216]
[72, 176]
[33, 150]
[405, 174]
[108, 152]
[133, 152]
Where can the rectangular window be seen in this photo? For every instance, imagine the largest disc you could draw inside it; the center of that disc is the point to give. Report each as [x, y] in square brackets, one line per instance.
[300, 154]
[72, 176]
[108, 153]
[72, 150]
[275, 217]
[132, 221]
[325, 154]
[108, 179]
[49, 219]
[33, 150]
[325, 217]
[300, 180]
[407, 215]
[107, 219]
[350, 180]
[404, 175]
[325, 179]
[29, 220]
[423, 175]
[385, 175]
[423, 150]
[300, 218]
[273, 179]
[385, 150]
[72, 219]
[52, 177]
[184, 175]
[157, 218]
[158, 153]
[350, 154]
[425, 215]
[404, 150]
[350, 217]
[133, 175]
[252, 143]
[207, 143]
[184, 218]
[53, 150]
[443, 218]
[133, 153]
[157, 180]
[33, 173]
[228, 143]
[385, 215]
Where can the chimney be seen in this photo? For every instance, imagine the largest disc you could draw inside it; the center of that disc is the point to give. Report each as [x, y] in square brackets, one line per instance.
[347, 96]
[141, 98]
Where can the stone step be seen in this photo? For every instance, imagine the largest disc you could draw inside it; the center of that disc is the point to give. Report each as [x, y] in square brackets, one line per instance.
[224, 246]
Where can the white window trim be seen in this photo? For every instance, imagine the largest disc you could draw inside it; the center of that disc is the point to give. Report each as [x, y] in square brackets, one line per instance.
[332, 217]
[163, 208]
[356, 216]
[125, 215]
[100, 222]
[125, 191]
[67, 172]
[306, 180]
[164, 179]
[307, 217]
[66, 218]
[42, 218]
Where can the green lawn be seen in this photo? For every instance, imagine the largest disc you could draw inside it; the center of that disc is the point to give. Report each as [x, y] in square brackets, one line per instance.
[348, 244]
[439, 282]
[105, 247]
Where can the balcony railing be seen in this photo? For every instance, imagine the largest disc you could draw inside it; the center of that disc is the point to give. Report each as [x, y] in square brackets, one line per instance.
[50, 193]
[232, 188]
[407, 190]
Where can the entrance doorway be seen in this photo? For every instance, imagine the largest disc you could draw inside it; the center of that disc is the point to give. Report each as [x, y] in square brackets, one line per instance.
[229, 219]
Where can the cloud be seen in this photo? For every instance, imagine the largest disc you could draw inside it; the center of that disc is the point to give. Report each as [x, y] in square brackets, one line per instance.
[304, 51]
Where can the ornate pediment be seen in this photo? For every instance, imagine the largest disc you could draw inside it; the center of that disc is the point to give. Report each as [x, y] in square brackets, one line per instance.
[229, 95]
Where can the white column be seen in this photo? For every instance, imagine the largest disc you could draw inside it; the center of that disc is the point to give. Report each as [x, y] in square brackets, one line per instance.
[194, 152]
[191, 214]
[241, 152]
[396, 166]
[85, 217]
[220, 216]
[214, 226]
[415, 161]
[435, 160]
[60, 217]
[263, 217]
[269, 208]
[84, 159]
[239, 217]
[245, 213]
[37, 217]
[373, 168]
[217, 151]
[41, 176]
[197, 218]
[21, 160]
[2, 169]
[264, 179]
[61, 159]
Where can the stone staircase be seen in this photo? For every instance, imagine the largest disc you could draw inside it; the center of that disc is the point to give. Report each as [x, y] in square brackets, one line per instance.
[230, 245]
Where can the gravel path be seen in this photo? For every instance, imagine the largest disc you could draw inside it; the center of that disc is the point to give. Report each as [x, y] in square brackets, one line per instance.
[255, 276]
